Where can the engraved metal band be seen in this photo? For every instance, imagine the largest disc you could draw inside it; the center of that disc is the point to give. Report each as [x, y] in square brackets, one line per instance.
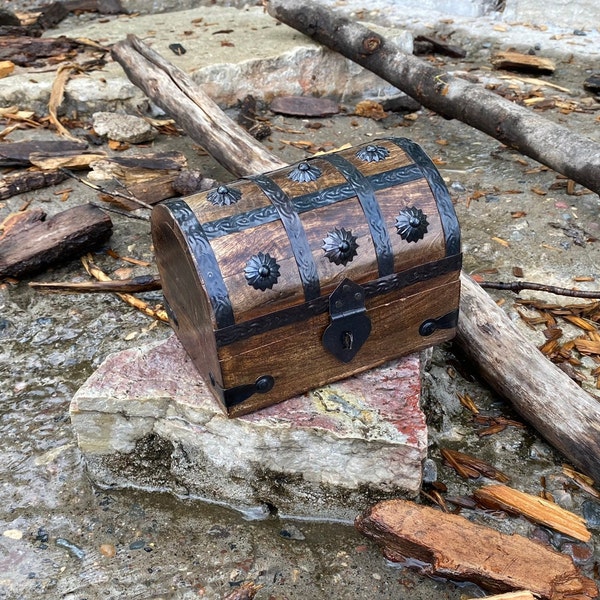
[366, 196]
[308, 202]
[439, 190]
[206, 260]
[303, 312]
[307, 269]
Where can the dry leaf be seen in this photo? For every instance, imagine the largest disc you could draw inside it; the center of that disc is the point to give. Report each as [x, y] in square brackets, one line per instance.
[370, 110]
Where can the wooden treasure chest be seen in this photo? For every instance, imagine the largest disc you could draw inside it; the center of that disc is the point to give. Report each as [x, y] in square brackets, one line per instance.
[283, 282]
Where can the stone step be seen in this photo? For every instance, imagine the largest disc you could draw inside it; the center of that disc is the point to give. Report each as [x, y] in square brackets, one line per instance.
[145, 419]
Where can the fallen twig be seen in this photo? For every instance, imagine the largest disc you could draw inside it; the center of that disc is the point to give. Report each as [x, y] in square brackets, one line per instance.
[118, 211]
[143, 283]
[97, 273]
[102, 190]
[519, 286]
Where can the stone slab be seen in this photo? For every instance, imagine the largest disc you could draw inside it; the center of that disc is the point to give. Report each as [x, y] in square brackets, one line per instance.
[145, 419]
[255, 55]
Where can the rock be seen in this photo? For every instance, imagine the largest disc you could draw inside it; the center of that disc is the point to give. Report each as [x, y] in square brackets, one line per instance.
[13, 534]
[145, 419]
[291, 532]
[108, 550]
[123, 128]
[592, 83]
[591, 513]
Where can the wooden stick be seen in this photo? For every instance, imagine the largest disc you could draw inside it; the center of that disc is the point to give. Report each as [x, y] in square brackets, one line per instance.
[135, 285]
[451, 546]
[556, 146]
[567, 416]
[97, 273]
[519, 286]
[534, 508]
[177, 94]
[27, 181]
[561, 411]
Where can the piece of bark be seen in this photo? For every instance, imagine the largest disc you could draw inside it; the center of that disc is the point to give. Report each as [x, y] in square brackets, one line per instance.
[6, 68]
[177, 94]
[534, 508]
[27, 181]
[31, 243]
[8, 18]
[16, 154]
[592, 83]
[546, 391]
[26, 49]
[516, 61]
[556, 146]
[148, 178]
[441, 47]
[247, 119]
[104, 7]
[451, 546]
[51, 15]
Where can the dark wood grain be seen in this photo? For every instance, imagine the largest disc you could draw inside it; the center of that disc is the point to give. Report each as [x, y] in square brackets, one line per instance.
[34, 245]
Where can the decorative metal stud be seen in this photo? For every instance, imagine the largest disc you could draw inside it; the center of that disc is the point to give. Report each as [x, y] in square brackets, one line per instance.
[224, 196]
[262, 271]
[305, 172]
[412, 224]
[340, 246]
[372, 153]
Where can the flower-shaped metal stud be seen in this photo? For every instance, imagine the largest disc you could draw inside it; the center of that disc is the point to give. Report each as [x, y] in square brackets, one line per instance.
[305, 172]
[412, 224]
[340, 246]
[372, 153]
[262, 271]
[224, 196]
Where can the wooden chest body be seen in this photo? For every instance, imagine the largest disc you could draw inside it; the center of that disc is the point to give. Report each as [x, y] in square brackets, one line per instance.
[283, 282]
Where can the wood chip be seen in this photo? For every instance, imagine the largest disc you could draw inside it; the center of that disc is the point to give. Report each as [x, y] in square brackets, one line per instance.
[535, 509]
[522, 62]
[453, 547]
[470, 467]
[501, 241]
[6, 68]
[370, 110]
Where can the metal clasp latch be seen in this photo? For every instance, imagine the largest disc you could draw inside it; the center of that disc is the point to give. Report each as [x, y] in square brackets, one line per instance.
[350, 326]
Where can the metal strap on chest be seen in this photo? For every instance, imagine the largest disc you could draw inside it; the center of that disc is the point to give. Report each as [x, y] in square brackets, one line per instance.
[370, 207]
[208, 267]
[307, 269]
